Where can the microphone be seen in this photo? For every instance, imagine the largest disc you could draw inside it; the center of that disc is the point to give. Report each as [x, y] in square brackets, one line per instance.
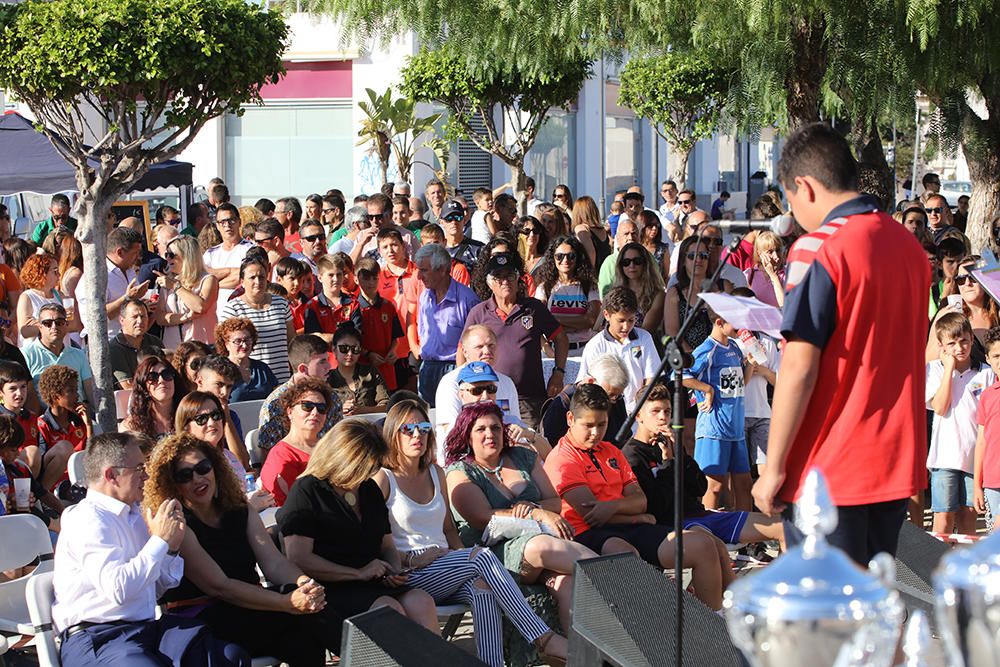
[782, 225]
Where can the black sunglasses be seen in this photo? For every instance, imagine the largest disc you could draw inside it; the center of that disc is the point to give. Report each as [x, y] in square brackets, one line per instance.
[682, 202]
[309, 406]
[202, 419]
[376, 216]
[264, 240]
[314, 238]
[454, 218]
[528, 231]
[935, 209]
[169, 255]
[167, 375]
[700, 255]
[353, 349]
[961, 280]
[633, 261]
[227, 221]
[48, 324]
[185, 475]
[567, 256]
[481, 389]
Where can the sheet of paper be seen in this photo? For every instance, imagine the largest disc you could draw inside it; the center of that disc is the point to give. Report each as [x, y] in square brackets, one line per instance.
[745, 313]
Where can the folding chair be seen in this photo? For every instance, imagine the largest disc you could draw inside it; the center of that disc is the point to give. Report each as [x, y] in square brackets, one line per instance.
[75, 469]
[40, 596]
[252, 441]
[248, 413]
[25, 539]
[452, 615]
[122, 399]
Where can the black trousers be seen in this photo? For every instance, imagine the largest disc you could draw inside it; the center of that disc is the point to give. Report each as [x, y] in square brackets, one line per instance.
[291, 638]
[862, 530]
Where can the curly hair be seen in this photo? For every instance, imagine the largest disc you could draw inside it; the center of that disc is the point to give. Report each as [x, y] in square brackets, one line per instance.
[162, 464]
[458, 445]
[182, 355]
[300, 388]
[395, 418]
[55, 381]
[36, 270]
[140, 409]
[231, 326]
[651, 280]
[477, 280]
[583, 271]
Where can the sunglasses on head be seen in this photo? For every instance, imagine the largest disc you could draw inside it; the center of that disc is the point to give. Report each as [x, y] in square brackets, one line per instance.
[479, 390]
[202, 419]
[963, 278]
[633, 261]
[565, 256]
[699, 255]
[423, 428]
[349, 349]
[58, 322]
[167, 375]
[313, 238]
[185, 475]
[309, 406]
[935, 209]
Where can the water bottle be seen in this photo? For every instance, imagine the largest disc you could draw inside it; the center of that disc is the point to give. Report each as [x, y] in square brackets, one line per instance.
[251, 483]
[752, 346]
[4, 489]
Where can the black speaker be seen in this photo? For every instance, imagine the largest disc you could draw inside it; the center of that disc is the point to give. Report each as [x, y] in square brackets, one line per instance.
[917, 554]
[384, 638]
[623, 615]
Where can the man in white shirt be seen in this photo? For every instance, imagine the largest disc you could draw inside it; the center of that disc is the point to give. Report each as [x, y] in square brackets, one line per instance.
[669, 208]
[529, 194]
[223, 261]
[111, 568]
[124, 247]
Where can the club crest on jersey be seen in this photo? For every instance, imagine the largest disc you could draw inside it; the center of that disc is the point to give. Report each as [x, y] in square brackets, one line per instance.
[637, 351]
[613, 463]
[528, 321]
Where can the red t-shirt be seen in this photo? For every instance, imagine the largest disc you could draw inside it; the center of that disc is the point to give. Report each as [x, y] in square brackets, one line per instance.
[282, 461]
[988, 416]
[50, 434]
[865, 426]
[380, 328]
[28, 422]
[603, 470]
[321, 316]
[403, 291]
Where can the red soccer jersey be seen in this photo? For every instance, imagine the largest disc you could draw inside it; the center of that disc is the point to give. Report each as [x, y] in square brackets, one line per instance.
[28, 422]
[988, 416]
[50, 434]
[321, 316]
[404, 291]
[380, 328]
[865, 424]
[603, 470]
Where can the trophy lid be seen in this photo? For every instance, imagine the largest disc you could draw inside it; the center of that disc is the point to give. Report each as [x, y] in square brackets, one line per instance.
[977, 565]
[811, 581]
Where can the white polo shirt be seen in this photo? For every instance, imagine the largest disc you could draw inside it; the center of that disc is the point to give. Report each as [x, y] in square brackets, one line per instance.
[637, 351]
[217, 257]
[953, 436]
[447, 405]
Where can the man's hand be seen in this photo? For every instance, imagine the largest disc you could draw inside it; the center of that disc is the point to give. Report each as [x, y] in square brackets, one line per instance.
[599, 512]
[765, 492]
[706, 404]
[134, 291]
[167, 523]
[555, 384]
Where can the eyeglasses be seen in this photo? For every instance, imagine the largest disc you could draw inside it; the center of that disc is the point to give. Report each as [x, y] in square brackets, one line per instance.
[375, 216]
[227, 221]
[962, 279]
[314, 238]
[699, 255]
[202, 419]
[349, 349]
[509, 277]
[479, 390]
[528, 231]
[168, 255]
[632, 261]
[139, 469]
[167, 375]
[264, 240]
[309, 406]
[423, 428]
[185, 475]
[329, 210]
[684, 202]
[241, 342]
[558, 195]
[48, 324]
[565, 256]
[937, 210]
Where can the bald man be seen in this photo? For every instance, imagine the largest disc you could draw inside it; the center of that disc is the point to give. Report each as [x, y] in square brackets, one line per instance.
[163, 235]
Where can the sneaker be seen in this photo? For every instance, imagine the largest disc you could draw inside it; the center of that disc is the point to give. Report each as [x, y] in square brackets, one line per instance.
[755, 553]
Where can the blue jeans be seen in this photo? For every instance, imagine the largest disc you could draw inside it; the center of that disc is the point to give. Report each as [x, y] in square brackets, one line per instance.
[429, 377]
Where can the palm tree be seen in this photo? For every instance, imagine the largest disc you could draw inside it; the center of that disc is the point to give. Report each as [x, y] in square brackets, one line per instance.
[376, 128]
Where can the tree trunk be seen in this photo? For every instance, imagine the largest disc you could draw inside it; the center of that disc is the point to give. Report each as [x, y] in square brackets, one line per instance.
[983, 159]
[92, 233]
[519, 179]
[384, 168]
[804, 77]
[878, 179]
[681, 157]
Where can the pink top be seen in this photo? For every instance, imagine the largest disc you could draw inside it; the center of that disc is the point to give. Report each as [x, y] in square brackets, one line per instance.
[988, 417]
[761, 284]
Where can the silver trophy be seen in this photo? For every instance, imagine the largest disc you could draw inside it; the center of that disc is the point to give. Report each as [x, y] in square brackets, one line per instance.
[967, 587]
[814, 606]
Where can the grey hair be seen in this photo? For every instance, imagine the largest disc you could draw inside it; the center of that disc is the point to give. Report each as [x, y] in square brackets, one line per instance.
[52, 305]
[400, 186]
[106, 450]
[354, 215]
[122, 238]
[436, 255]
[609, 370]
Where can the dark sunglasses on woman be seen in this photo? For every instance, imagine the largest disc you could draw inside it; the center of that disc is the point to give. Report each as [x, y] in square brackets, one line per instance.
[202, 419]
[185, 475]
[423, 428]
[167, 375]
[309, 406]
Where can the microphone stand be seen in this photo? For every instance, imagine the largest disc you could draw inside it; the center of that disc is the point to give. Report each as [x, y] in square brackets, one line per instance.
[673, 359]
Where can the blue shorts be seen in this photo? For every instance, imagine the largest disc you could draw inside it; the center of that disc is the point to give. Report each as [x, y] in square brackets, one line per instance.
[993, 502]
[951, 490]
[727, 526]
[719, 457]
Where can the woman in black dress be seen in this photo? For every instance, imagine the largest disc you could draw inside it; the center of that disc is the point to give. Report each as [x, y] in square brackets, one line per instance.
[224, 544]
[336, 528]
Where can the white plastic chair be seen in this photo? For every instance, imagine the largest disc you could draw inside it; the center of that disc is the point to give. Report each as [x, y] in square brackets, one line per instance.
[75, 469]
[122, 399]
[371, 417]
[23, 538]
[40, 596]
[452, 615]
[252, 441]
[248, 413]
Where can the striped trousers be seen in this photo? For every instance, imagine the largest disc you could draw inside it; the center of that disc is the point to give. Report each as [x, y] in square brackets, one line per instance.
[456, 577]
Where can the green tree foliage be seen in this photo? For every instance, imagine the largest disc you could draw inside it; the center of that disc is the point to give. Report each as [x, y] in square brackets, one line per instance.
[121, 85]
[681, 93]
[376, 131]
[392, 128]
[512, 106]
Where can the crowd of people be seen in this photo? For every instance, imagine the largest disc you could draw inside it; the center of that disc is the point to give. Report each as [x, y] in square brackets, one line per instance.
[497, 358]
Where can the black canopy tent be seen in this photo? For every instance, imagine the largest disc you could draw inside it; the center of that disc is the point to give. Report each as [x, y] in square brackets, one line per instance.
[32, 164]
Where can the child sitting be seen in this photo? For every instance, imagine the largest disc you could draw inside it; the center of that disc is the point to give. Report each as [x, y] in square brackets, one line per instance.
[11, 440]
[14, 382]
[64, 427]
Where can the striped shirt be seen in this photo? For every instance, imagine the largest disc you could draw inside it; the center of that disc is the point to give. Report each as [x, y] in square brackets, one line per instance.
[803, 252]
[272, 332]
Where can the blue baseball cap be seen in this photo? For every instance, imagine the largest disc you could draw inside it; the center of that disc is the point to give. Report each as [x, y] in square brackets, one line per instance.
[477, 371]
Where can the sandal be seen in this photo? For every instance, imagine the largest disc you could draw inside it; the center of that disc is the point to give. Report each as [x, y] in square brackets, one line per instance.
[541, 643]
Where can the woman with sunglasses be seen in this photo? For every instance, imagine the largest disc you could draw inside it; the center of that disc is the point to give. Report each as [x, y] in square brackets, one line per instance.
[336, 528]
[562, 197]
[427, 540]
[154, 398]
[271, 316]
[569, 288]
[186, 361]
[692, 269]
[188, 293]
[487, 476]
[361, 388]
[636, 269]
[235, 339]
[224, 544]
[532, 243]
[554, 221]
[304, 406]
[39, 277]
[589, 228]
[977, 305]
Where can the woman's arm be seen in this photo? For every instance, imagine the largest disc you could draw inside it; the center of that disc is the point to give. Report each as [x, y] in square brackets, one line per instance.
[198, 301]
[449, 527]
[300, 552]
[654, 315]
[671, 313]
[587, 240]
[470, 501]
[273, 564]
[25, 317]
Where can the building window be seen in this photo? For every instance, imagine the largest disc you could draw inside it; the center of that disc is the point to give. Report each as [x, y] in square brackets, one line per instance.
[622, 136]
[552, 160]
[283, 149]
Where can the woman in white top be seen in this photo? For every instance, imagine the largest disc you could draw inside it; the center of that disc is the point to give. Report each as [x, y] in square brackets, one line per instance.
[39, 275]
[189, 295]
[432, 553]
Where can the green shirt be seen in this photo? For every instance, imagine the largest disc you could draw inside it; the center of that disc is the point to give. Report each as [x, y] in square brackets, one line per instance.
[606, 276]
[46, 227]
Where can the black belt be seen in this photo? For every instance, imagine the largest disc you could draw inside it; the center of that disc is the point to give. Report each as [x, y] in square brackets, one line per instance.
[83, 625]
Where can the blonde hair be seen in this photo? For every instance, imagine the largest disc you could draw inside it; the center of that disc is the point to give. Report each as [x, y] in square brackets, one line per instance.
[585, 213]
[395, 418]
[192, 264]
[350, 453]
[765, 241]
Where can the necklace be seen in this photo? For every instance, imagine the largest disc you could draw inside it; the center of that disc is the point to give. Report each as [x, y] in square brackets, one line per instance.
[493, 471]
[351, 499]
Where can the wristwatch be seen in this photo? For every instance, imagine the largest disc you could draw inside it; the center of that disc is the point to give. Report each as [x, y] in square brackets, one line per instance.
[559, 369]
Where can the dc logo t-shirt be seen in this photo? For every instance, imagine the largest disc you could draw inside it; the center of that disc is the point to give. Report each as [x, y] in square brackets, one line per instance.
[720, 366]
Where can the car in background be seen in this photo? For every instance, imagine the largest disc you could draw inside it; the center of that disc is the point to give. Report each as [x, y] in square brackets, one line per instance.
[952, 190]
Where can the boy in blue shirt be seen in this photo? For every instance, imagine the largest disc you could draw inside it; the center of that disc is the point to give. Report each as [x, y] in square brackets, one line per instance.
[718, 379]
